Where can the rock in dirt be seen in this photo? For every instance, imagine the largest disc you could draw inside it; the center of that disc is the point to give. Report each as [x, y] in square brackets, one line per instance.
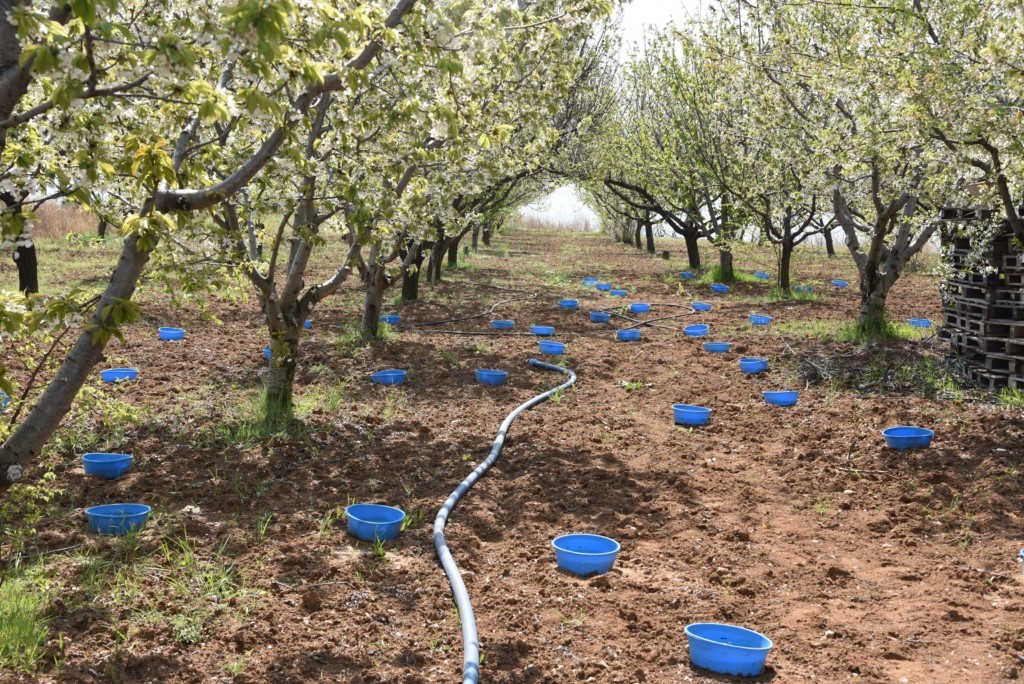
[312, 600]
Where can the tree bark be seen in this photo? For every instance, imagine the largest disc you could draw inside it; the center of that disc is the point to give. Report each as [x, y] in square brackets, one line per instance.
[476, 236]
[785, 259]
[434, 263]
[487, 235]
[725, 262]
[281, 375]
[453, 252]
[636, 236]
[830, 248]
[27, 440]
[28, 269]
[411, 281]
[649, 234]
[374, 299]
[101, 229]
[692, 250]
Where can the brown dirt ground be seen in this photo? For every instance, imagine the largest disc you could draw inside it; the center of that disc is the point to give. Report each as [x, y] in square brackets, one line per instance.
[861, 563]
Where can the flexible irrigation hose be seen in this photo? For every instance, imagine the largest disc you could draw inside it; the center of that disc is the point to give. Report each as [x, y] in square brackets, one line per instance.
[470, 642]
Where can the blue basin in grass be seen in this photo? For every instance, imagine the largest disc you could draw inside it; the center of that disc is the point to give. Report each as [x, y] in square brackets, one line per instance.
[700, 306]
[686, 414]
[503, 324]
[907, 437]
[371, 522]
[762, 275]
[840, 283]
[687, 275]
[117, 519]
[391, 376]
[781, 398]
[551, 347]
[119, 374]
[266, 353]
[569, 304]
[699, 330]
[542, 329]
[107, 466]
[604, 287]
[590, 282]
[488, 376]
[727, 649]
[585, 554]
[600, 316]
[719, 288]
[171, 334]
[758, 319]
[618, 293]
[753, 365]
[5, 399]
[390, 319]
[920, 322]
[717, 347]
[639, 307]
[631, 335]
[803, 289]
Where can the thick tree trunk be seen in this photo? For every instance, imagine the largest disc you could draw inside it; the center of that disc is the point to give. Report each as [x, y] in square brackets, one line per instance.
[476, 236]
[725, 262]
[281, 377]
[24, 445]
[434, 263]
[636, 237]
[785, 259]
[373, 301]
[487, 235]
[873, 293]
[692, 250]
[411, 281]
[453, 252]
[649, 234]
[830, 248]
[101, 229]
[28, 269]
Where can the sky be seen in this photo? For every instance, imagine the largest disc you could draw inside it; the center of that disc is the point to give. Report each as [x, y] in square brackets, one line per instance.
[563, 205]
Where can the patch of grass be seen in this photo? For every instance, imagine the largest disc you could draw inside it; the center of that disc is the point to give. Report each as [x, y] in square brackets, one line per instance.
[328, 397]
[633, 385]
[450, 359]
[394, 405]
[1011, 397]
[187, 628]
[877, 329]
[823, 504]
[810, 329]
[778, 294]
[23, 624]
[715, 274]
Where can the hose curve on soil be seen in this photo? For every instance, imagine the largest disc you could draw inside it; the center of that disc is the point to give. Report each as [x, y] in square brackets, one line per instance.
[470, 642]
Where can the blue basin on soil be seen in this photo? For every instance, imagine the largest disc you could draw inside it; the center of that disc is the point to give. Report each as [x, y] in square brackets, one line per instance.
[119, 374]
[604, 287]
[699, 330]
[390, 319]
[600, 316]
[719, 288]
[266, 353]
[758, 319]
[700, 306]
[639, 307]
[569, 304]
[631, 335]
[371, 522]
[686, 414]
[590, 282]
[717, 347]
[308, 324]
[107, 466]
[542, 329]
[907, 437]
[391, 376]
[117, 519]
[780, 398]
[618, 293]
[803, 289]
[753, 365]
[840, 283]
[687, 275]
[920, 322]
[488, 376]
[762, 275]
[585, 554]
[727, 649]
[171, 334]
[503, 324]
[551, 347]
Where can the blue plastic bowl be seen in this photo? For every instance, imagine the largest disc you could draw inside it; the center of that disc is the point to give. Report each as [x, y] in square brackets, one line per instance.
[503, 325]
[920, 322]
[727, 649]
[542, 329]
[107, 466]
[117, 519]
[720, 288]
[753, 365]
[639, 307]
[5, 399]
[600, 316]
[308, 324]
[266, 353]
[388, 377]
[687, 275]
[590, 282]
[699, 330]
[487, 376]
[171, 334]
[569, 304]
[806, 289]
[685, 414]
[618, 293]
[390, 319]
[907, 437]
[371, 522]
[604, 287]
[700, 306]
[717, 347]
[551, 347]
[585, 554]
[762, 275]
[119, 374]
[781, 398]
[840, 283]
[758, 319]
[631, 335]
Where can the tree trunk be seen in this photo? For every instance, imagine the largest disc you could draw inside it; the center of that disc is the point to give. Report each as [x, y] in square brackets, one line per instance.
[372, 305]
[476, 235]
[829, 247]
[785, 259]
[649, 234]
[434, 263]
[411, 281]
[725, 262]
[692, 250]
[636, 237]
[101, 229]
[28, 269]
[27, 440]
[487, 235]
[453, 252]
[873, 292]
[281, 377]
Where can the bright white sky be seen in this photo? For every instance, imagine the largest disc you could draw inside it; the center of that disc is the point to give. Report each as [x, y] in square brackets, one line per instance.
[563, 205]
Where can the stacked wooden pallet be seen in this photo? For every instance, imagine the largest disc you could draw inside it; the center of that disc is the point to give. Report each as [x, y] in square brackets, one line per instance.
[983, 314]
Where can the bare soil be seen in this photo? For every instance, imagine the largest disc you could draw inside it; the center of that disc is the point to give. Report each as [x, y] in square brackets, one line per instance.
[858, 561]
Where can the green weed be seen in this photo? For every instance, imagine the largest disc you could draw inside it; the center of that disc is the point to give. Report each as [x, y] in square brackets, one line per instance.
[23, 624]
